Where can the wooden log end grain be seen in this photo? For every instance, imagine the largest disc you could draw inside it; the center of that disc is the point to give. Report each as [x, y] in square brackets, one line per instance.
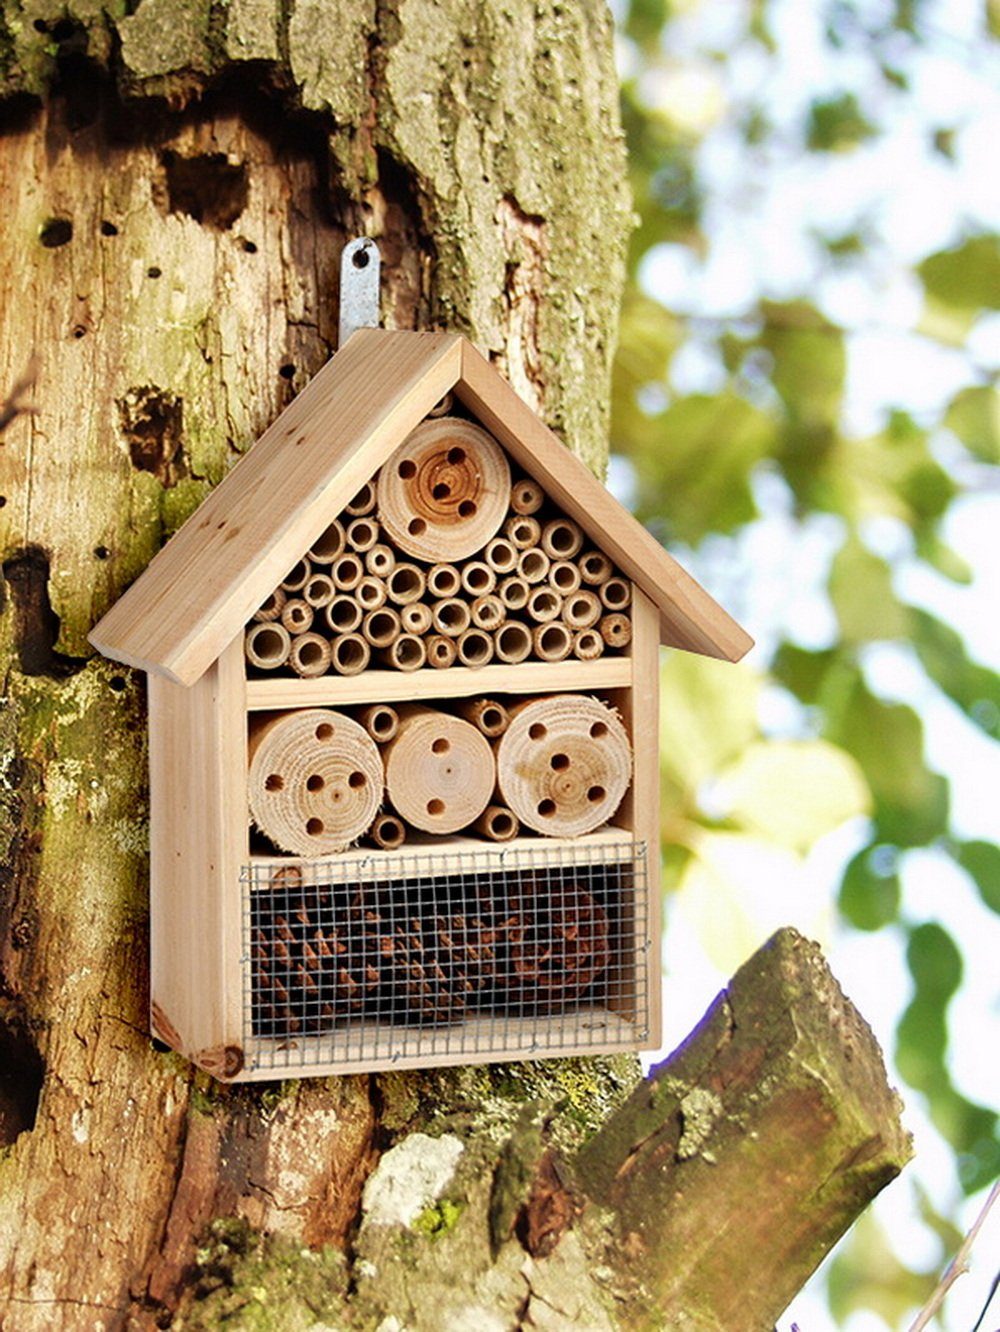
[439, 770]
[564, 764]
[315, 781]
[443, 494]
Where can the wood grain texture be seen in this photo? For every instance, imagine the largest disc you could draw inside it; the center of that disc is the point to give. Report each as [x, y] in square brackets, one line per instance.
[310, 463]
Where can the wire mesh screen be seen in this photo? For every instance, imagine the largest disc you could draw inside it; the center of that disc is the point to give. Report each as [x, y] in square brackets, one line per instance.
[463, 957]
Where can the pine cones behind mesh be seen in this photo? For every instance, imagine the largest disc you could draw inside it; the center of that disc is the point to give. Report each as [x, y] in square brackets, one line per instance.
[557, 937]
[315, 955]
[442, 963]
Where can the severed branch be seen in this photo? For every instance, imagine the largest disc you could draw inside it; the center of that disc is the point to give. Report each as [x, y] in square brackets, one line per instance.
[958, 1266]
[13, 405]
[724, 1180]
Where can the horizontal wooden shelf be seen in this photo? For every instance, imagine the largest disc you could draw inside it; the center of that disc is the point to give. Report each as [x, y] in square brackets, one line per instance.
[438, 857]
[579, 1031]
[378, 686]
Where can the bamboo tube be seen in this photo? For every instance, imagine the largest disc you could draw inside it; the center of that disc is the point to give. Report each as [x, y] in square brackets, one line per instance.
[348, 571]
[523, 532]
[406, 583]
[561, 538]
[595, 567]
[405, 653]
[491, 718]
[514, 592]
[380, 721]
[564, 764]
[501, 555]
[363, 502]
[478, 578]
[381, 627]
[564, 576]
[267, 645]
[297, 576]
[488, 612]
[319, 591]
[439, 770]
[271, 607]
[310, 655]
[328, 545]
[533, 565]
[552, 642]
[526, 496]
[371, 592]
[475, 647]
[349, 654]
[544, 604]
[512, 642]
[497, 823]
[380, 560]
[297, 616]
[443, 493]
[416, 617]
[315, 780]
[441, 651]
[616, 593]
[388, 832]
[451, 616]
[344, 615]
[444, 580]
[587, 644]
[443, 407]
[616, 630]
[362, 534]
[582, 610]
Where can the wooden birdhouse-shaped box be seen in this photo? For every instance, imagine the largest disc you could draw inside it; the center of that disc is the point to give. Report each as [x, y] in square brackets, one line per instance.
[403, 670]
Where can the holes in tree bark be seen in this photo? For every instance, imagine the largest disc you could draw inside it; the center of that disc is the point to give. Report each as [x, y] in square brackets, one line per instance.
[153, 423]
[207, 187]
[22, 1072]
[36, 625]
[55, 231]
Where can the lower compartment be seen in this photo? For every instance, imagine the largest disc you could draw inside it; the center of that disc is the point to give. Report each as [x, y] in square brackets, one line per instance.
[369, 959]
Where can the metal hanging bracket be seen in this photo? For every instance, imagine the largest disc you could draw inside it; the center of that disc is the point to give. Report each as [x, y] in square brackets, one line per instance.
[360, 266]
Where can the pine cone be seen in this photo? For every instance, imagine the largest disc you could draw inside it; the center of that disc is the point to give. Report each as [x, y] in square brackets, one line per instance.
[557, 936]
[314, 957]
[441, 964]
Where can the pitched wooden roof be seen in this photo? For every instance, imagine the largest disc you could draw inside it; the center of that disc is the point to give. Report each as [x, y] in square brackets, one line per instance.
[200, 590]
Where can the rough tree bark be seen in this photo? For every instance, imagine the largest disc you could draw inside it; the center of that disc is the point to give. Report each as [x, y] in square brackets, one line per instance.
[178, 178]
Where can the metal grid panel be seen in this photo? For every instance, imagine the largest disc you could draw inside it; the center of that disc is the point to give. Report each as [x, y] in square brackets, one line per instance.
[472, 955]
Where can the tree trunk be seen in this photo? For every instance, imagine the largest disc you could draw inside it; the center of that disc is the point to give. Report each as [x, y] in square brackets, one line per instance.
[177, 184]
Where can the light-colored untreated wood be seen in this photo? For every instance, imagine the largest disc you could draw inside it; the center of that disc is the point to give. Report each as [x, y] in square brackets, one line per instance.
[198, 843]
[439, 770]
[536, 677]
[318, 454]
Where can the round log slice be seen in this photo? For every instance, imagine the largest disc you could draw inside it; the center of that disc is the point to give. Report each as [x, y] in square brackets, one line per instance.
[563, 764]
[443, 494]
[315, 780]
[439, 770]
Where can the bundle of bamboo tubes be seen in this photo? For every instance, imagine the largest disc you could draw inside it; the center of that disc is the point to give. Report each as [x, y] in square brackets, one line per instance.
[443, 560]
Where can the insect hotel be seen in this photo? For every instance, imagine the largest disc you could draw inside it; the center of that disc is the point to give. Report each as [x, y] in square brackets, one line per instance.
[403, 683]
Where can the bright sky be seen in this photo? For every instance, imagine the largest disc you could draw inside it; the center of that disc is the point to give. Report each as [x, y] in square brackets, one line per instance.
[759, 224]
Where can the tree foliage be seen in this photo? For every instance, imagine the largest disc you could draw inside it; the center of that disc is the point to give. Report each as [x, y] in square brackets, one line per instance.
[735, 418]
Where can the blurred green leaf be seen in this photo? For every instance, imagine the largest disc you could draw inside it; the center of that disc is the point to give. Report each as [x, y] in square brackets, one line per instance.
[837, 124]
[887, 739]
[981, 861]
[697, 478]
[803, 671]
[794, 791]
[935, 962]
[959, 283]
[708, 715]
[810, 360]
[975, 688]
[869, 899]
[942, 558]
[974, 416]
[867, 1274]
[860, 588]
[645, 19]
[992, 8]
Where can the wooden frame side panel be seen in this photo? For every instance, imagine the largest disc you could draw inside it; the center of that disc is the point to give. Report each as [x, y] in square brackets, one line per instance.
[645, 703]
[198, 845]
[691, 618]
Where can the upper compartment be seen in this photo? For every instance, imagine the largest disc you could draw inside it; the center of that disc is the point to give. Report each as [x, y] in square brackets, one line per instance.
[212, 576]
